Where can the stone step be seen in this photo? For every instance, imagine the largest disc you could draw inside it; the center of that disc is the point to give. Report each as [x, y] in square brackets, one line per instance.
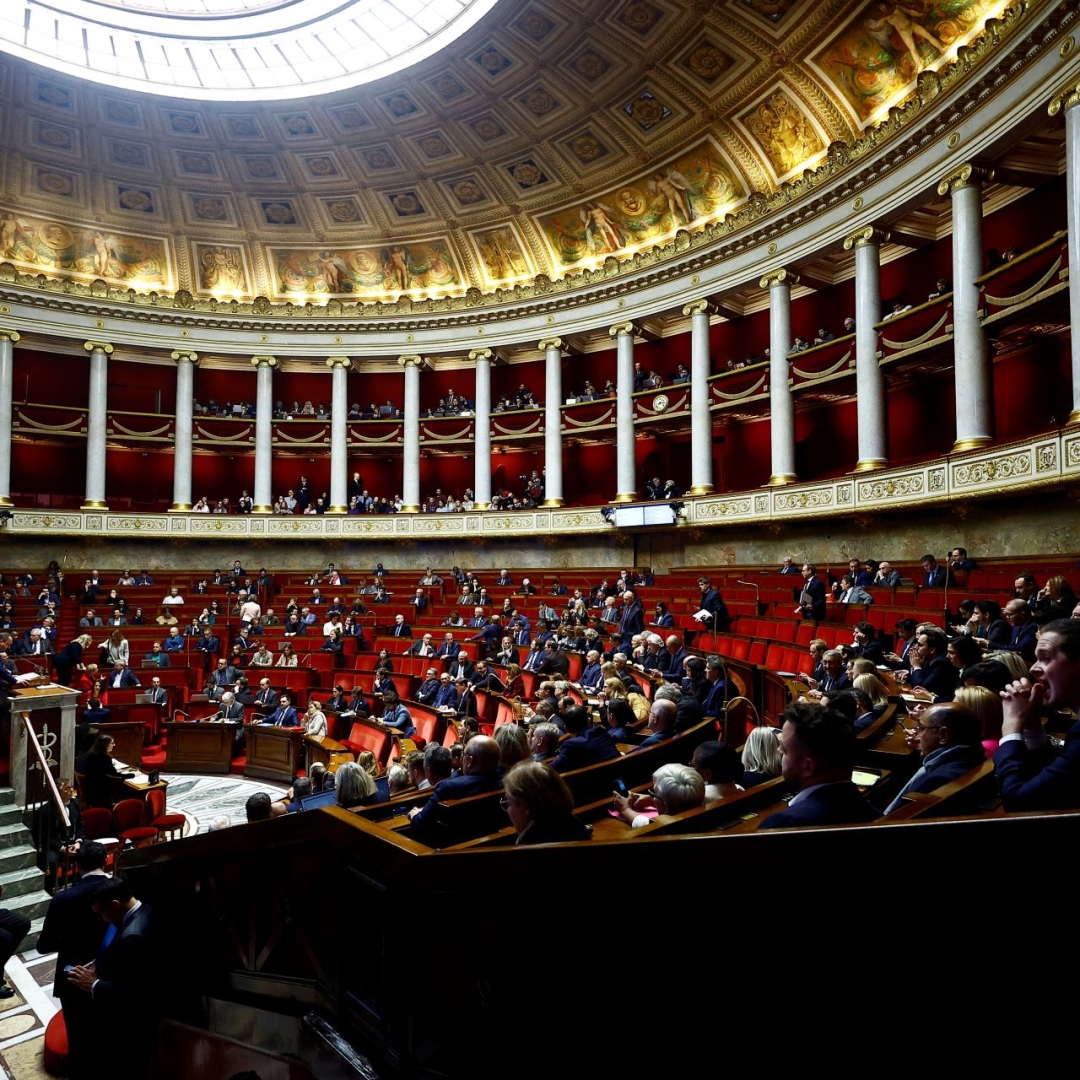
[17, 858]
[13, 835]
[32, 904]
[20, 883]
[7, 796]
[10, 814]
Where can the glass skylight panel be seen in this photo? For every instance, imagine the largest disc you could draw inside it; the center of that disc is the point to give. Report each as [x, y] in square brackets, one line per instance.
[151, 45]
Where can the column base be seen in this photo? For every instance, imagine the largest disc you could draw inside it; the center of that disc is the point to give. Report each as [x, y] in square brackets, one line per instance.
[338, 509]
[870, 464]
[1074, 418]
[973, 443]
[179, 508]
[625, 497]
[409, 510]
[262, 509]
[780, 479]
[552, 503]
[701, 489]
[481, 506]
[94, 504]
[5, 501]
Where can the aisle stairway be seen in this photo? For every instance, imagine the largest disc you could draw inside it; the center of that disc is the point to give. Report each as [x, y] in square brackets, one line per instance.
[22, 881]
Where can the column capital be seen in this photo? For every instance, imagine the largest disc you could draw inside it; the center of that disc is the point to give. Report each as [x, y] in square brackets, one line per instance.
[338, 361]
[781, 276]
[699, 307]
[865, 237]
[620, 329]
[264, 361]
[98, 346]
[550, 343]
[968, 175]
[1065, 99]
[9, 335]
[481, 354]
[410, 360]
[185, 356]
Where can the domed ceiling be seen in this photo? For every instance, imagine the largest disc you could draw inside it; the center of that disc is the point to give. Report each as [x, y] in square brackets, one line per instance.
[552, 136]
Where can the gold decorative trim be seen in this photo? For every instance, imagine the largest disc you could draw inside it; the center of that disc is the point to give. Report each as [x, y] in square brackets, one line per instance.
[550, 343]
[901, 345]
[781, 276]
[699, 307]
[975, 443]
[701, 489]
[180, 508]
[262, 509]
[337, 509]
[481, 354]
[968, 175]
[482, 506]
[410, 360]
[625, 497]
[742, 393]
[94, 504]
[864, 237]
[98, 346]
[410, 509]
[865, 465]
[1074, 418]
[185, 356]
[5, 501]
[9, 335]
[1027, 294]
[619, 329]
[1064, 99]
[782, 479]
[552, 503]
[264, 361]
[338, 362]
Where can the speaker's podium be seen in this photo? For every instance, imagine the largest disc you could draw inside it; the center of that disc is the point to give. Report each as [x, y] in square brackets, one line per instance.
[50, 709]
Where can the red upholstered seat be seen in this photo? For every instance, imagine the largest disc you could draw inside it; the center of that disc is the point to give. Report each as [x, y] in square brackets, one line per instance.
[129, 822]
[165, 823]
[56, 1046]
[97, 822]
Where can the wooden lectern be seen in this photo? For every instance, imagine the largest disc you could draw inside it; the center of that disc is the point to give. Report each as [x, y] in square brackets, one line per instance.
[51, 712]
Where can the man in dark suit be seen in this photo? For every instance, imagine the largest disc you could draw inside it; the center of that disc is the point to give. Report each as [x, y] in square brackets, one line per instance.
[586, 745]
[401, 627]
[34, 643]
[74, 933]
[934, 575]
[631, 618]
[719, 620]
[461, 667]
[949, 740]
[490, 635]
[833, 675]
[121, 677]
[555, 663]
[284, 715]
[1032, 774]
[662, 717]
[671, 660]
[267, 697]
[480, 772]
[429, 688]
[931, 667]
[119, 981]
[1024, 629]
[209, 645]
[817, 750]
[812, 598]
[157, 693]
[448, 649]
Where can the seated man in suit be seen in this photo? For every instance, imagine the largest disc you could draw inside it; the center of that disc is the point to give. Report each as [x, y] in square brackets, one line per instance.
[121, 677]
[429, 688]
[1032, 774]
[401, 627]
[886, 576]
[866, 643]
[586, 745]
[461, 667]
[544, 741]
[480, 772]
[396, 716]
[284, 715]
[670, 662]
[662, 716]
[935, 576]
[817, 751]
[949, 741]
[423, 647]
[447, 695]
[1024, 634]
[833, 675]
[266, 698]
[931, 668]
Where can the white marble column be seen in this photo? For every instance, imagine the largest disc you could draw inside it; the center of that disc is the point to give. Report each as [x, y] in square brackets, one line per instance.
[7, 370]
[186, 361]
[1068, 101]
[625, 462]
[339, 435]
[410, 482]
[264, 434]
[97, 416]
[701, 468]
[869, 381]
[781, 403]
[482, 428]
[553, 470]
[971, 353]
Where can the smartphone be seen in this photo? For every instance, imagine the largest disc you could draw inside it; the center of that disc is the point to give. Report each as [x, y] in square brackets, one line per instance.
[621, 788]
[69, 968]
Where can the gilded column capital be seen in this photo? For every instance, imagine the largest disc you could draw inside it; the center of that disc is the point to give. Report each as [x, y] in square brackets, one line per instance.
[865, 237]
[481, 354]
[410, 360]
[968, 175]
[550, 343]
[9, 335]
[699, 307]
[264, 361]
[621, 328]
[1065, 99]
[338, 361]
[781, 276]
[98, 346]
[185, 356]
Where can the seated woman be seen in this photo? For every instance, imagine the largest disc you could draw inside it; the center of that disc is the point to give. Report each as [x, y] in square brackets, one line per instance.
[540, 806]
[288, 658]
[100, 768]
[354, 786]
[315, 720]
[383, 662]
[761, 756]
[661, 615]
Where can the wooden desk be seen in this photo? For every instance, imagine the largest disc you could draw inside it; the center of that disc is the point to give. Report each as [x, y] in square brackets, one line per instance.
[274, 753]
[199, 748]
[325, 751]
[128, 735]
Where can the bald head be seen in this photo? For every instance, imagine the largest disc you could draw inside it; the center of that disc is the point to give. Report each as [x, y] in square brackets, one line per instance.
[662, 715]
[481, 756]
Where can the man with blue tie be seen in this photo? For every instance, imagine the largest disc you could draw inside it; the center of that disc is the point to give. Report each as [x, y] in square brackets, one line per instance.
[1024, 629]
[447, 696]
[267, 697]
[284, 715]
[401, 628]
[935, 576]
[448, 649]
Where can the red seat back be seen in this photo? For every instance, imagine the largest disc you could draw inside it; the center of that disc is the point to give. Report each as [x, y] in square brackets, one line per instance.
[128, 814]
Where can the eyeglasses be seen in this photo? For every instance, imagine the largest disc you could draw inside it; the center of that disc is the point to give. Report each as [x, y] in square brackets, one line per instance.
[927, 727]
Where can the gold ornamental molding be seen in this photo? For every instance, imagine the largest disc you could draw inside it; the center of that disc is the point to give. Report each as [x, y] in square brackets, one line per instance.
[264, 361]
[410, 360]
[699, 307]
[782, 276]
[9, 335]
[621, 329]
[185, 356]
[968, 175]
[338, 362]
[864, 237]
[1064, 99]
[481, 354]
[98, 346]
[550, 343]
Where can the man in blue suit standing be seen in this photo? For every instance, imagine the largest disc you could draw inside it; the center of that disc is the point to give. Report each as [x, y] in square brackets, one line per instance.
[817, 750]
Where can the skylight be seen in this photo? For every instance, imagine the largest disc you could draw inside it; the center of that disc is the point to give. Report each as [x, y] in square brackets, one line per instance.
[233, 50]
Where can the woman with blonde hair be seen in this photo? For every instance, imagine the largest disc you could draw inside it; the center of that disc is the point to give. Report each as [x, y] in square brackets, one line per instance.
[354, 786]
[368, 762]
[117, 648]
[878, 691]
[315, 720]
[986, 705]
[513, 745]
[1013, 662]
[761, 756]
[69, 659]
